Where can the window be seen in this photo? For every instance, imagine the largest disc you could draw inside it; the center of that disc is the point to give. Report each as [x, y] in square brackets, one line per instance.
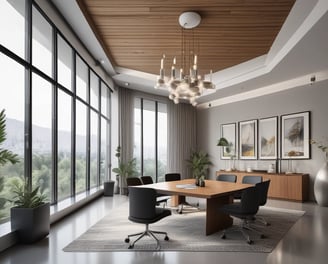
[42, 48]
[81, 147]
[13, 102]
[150, 138]
[41, 134]
[64, 135]
[65, 55]
[12, 26]
[53, 121]
[81, 79]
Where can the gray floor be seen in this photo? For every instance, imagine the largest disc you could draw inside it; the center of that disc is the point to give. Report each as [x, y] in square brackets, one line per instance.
[306, 242]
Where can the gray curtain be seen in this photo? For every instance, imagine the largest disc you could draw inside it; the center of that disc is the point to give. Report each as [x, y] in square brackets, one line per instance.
[126, 110]
[181, 137]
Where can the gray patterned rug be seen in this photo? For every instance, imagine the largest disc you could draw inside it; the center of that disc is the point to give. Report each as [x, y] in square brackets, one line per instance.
[186, 233]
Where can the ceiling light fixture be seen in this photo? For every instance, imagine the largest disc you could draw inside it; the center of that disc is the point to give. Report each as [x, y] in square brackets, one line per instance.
[188, 85]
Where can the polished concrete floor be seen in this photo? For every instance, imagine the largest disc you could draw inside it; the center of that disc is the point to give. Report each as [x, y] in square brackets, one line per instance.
[306, 242]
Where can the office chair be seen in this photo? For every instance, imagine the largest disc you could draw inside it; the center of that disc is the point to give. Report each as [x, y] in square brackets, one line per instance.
[249, 179]
[226, 177]
[182, 199]
[244, 210]
[143, 210]
[133, 181]
[160, 198]
[262, 188]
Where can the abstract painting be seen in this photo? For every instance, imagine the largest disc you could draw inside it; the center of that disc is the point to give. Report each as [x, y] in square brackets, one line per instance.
[295, 136]
[248, 139]
[268, 141]
[228, 131]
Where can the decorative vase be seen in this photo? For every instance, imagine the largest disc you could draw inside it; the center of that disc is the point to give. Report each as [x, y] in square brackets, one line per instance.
[321, 185]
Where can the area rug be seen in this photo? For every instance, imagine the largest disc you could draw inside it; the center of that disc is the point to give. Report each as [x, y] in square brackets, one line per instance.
[186, 232]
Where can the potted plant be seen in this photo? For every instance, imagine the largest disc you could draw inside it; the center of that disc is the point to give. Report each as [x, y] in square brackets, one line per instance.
[124, 170]
[199, 163]
[30, 216]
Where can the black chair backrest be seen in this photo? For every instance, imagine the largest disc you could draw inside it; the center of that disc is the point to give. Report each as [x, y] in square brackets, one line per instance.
[251, 179]
[226, 177]
[147, 179]
[262, 189]
[249, 201]
[172, 177]
[142, 202]
[133, 181]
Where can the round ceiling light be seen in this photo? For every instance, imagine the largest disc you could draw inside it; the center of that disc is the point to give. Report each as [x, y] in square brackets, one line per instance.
[189, 20]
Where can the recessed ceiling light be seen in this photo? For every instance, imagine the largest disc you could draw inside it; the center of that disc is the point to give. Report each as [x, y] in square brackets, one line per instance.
[126, 84]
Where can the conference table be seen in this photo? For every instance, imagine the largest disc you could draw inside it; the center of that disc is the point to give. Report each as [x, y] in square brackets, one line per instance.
[216, 193]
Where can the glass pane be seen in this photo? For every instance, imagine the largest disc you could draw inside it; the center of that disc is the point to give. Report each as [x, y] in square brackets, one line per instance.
[137, 133]
[42, 49]
[12, 26]
[65, 54]
[104, 150]
[149, 136]
[64, 144]
[105, 94]
[81, 79]
[94, 90]
[93, 148]
[162, 141]
[81, 147]
[12, 100]
[41, 134]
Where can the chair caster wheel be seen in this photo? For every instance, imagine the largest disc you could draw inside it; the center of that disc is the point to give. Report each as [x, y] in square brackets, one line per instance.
[262, 236]
[166, 238]
[267, 224]
[127, 240]
[223, 236]
[250, 242]
[130, 247]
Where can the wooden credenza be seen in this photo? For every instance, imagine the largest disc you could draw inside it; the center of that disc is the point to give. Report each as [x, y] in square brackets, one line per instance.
[282, 186]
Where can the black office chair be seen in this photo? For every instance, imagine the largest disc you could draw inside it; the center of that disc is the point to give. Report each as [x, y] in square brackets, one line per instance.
[143, 210]
[226, 177]
[262, 188]
[160, 198]
[249, 179]
[182, 199]
[172, 177]
[244, 210]
[133, 181]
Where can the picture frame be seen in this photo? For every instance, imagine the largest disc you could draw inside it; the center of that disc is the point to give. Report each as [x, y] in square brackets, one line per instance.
[228, 131]
[295, 136]
[248, 140]
[268, 138]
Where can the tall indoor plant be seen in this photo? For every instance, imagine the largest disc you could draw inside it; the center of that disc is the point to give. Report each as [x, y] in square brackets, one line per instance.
[124, 169]
[199, 162]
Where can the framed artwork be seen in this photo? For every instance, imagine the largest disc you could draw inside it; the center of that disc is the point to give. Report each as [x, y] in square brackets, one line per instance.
[228, 131]
[295, 136]
[248, 139]
[268, 138]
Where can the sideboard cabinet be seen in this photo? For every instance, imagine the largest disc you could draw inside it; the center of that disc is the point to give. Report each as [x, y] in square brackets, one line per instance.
[282, 186]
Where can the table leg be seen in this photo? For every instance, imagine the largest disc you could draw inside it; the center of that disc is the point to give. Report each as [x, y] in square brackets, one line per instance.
[177, 199]
[216, 220]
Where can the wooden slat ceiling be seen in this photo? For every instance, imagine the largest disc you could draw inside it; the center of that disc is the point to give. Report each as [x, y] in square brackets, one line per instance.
[136, 33]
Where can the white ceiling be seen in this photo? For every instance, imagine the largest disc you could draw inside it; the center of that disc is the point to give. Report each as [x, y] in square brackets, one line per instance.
[300, 50]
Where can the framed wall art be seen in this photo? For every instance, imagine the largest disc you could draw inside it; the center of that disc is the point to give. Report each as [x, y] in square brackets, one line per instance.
[268, 138]
[295, 136]
[228, 131]
[248, 139]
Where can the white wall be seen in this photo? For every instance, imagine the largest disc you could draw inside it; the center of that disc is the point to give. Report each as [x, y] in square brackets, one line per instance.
[312, 98]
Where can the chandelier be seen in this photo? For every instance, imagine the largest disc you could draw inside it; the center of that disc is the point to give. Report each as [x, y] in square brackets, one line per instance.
[187, 84]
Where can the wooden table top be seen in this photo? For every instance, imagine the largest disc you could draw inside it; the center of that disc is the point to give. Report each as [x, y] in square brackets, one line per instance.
[212, 188]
